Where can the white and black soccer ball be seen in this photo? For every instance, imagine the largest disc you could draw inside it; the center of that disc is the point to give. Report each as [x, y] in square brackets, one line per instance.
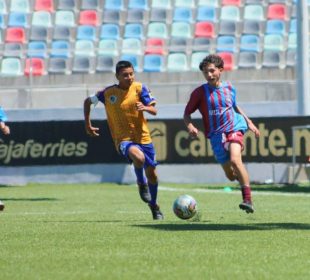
[185, 207]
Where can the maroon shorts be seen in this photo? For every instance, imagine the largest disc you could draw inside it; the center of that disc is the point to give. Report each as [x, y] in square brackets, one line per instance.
[232, 137]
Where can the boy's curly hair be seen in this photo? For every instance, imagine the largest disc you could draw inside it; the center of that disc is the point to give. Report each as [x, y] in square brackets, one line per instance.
[212, 59]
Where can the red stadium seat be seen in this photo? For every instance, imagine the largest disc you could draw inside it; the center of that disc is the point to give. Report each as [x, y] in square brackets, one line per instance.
[44, 5]
[88, 17]
[155, 46]
[277, 11]
[34, 67]
[15, 35]
[204, 29]
[228, 58]
[232, 2]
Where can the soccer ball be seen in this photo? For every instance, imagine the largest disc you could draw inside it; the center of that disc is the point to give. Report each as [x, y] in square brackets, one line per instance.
[185, 207]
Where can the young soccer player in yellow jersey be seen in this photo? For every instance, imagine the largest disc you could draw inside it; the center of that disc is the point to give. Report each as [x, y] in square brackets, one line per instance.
[125, 103]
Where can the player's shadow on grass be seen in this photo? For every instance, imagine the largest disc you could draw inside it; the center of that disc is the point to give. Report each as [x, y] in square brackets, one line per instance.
[226, 227]
[29, 199]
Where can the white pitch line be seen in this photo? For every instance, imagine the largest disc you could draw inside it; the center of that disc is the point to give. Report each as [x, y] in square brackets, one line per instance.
[164, 188]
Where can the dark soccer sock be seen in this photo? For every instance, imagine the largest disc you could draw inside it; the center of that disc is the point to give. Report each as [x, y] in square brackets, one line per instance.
[153, 191]
[140, 176]
[246, 193]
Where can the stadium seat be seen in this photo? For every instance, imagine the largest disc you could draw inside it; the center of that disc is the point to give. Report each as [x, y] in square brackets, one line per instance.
[110, 31]
[34, 67]
[293, 26]
[254, 2]
[161, 4]
[232, 2]
[104, 64]
[108, 47]
[178, 44]
[17, 19]
[62, 33]
[67, 5]
[138, 4]
[275, 26]
[177, 62]
[291, 58]
[86, 32]
[226, 43]
[3, 9]
[272, 59]
[60, 49]
[44, 5]
[202, 44]
[249, 43]
[181, 30]
[211, 3]
[42, 18]
[15, 35]
[184, 3]
[248, 60]
[11, 67]
[89, 17]
[292, 41]
[13, 50]
[58, 65]
[21, 6]
[136, 16]
[155, 46]
[254, 12]
[206, 13]
[196, 58]
[277, 11]
[39, 33]
[204, 29]
[133, 30]
[65, 18]
[182, 14]
[134, 59]
[229, 61]
[157, 30]
[114, 5]
[274, 42]
[2, 22]
[37, 49]
[153, 63]
[89, 5]
[111, 16]
[82, 65]
[228, 28]
[160, 15]
[252, 27]
[84, 48]
[132, 46]
[230, 13]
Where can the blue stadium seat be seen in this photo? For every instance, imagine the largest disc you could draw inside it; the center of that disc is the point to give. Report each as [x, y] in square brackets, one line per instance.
[65, 18]
[196, 58]
[18, 19]
[108, 47]
[66, 5]
[11, 67]
[134, 59]
[42, 18]
[206, 13]
[293, 26]
[114, 5]
[110, 31]
[185, 3]
[292, 41]
[177, 62]
[181, 30]
[254, 12]
[84, 48]
[182, 14]
[249, 43]
[275, 26]
[211, 3]
[161, 4]
[3, 9]
[2, 22]
[134, 30]
[274, 42]
[153, 63]
[230, 13]
[226, 43]
[22, 6]
[37, 49]
[60, 48]
[157, 30]
[132, 46]
[138, 4]
[86, 32]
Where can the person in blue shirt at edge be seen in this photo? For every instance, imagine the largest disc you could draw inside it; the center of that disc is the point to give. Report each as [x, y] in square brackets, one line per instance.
[224, 124]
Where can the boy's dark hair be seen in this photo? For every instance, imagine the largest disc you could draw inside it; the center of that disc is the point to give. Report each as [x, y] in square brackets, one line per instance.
[123, 64]
[212, 59]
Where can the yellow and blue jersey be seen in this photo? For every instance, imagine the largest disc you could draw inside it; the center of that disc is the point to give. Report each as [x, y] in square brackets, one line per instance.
[126, 123]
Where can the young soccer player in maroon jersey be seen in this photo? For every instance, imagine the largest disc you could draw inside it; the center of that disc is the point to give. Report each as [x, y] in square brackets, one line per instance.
[224, 124]
[125, 103]
[5, 130]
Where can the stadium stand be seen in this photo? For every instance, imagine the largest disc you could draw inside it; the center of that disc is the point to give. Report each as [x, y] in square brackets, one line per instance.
[22, 6]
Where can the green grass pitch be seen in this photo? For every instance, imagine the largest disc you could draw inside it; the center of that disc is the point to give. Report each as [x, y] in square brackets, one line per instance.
[104, 231]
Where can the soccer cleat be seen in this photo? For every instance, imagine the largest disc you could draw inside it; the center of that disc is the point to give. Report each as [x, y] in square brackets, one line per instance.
[144, 192]
[247, 206]
[157, 214]
[1, 206]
